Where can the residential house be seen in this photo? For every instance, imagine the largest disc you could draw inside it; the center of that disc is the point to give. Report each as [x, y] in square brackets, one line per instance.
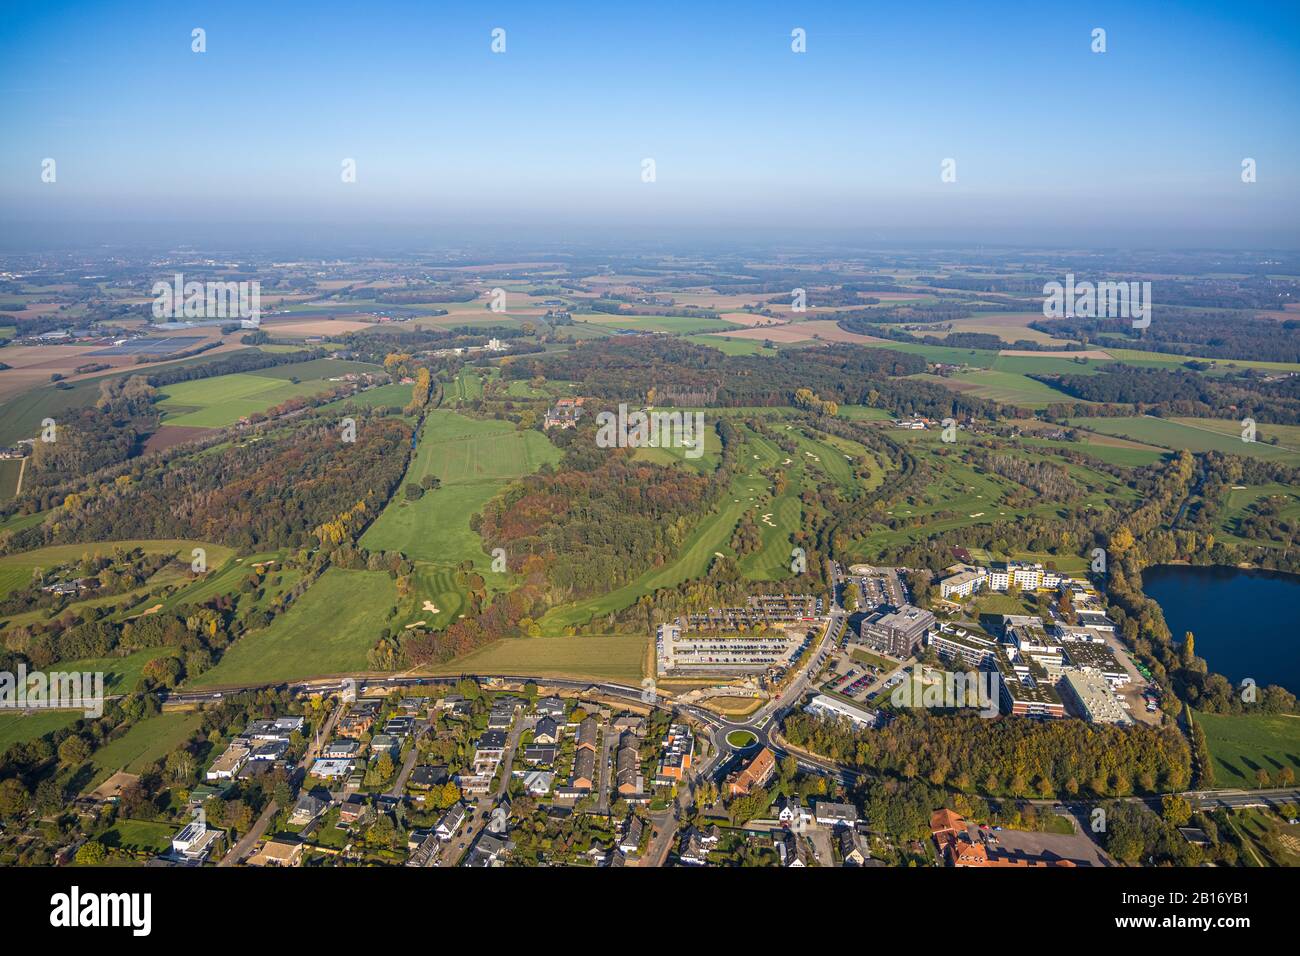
[627, 766]
[399, 726]
[830, 814]
[547, 731]
[425, 777]
[678, 750]
[853, 848]
[538, 783]
[488, 850]
[552, 707]
[451, 821]
[204, 792]
[759, 771]
[277, 729]
[544, 754]
[488, 752]
[584, 770]
[353, 812]
[355, 725]
[227, 765]
[793, 813]
[332, 769]
[629, 723]
[341, 749]
[196, 842]
[306, 809]
[691, 850]
[792, 849]
[630, 841]
[474, 784]
[278, 852]
[270, 750]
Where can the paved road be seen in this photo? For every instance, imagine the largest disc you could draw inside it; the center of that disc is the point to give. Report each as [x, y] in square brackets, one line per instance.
[608, 739]
[399, 785]
[246, 845]
[764, 723]
[663, 829]
[481, 811]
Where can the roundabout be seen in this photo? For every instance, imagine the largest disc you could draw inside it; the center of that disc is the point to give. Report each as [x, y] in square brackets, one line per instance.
[741, 739]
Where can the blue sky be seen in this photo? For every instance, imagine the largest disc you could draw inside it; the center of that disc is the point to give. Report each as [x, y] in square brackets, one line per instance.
[1053, 143]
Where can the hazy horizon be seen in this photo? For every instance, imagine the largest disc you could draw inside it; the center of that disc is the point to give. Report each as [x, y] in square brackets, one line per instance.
[1054, 144]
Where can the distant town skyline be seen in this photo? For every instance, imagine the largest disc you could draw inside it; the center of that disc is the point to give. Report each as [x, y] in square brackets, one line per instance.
[1049, 141]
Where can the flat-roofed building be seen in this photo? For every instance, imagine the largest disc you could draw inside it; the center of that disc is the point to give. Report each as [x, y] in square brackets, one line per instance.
[971, 644]
[1026, 689]
[1096, 657]
[832, 708]
[228, 764]
[963, 583]
[1091, 696]
[898, 633]
[830, 814]
[196, 842]
[328, 769]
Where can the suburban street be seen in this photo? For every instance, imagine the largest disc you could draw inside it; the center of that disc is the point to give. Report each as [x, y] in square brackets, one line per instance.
[480, 812]
[251, 838]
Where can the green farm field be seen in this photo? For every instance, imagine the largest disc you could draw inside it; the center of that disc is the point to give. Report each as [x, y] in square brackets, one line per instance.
[9, 471]
[1241, 745]
[623, 658]
[223, 400]
[864, 413]
[1010, 388]
[21, 415]
[20, 728]
[329, 630]
[731, 346]
[670, 324]
[394, 395]
[1107, 448]
[1195, 435]
[144, 742]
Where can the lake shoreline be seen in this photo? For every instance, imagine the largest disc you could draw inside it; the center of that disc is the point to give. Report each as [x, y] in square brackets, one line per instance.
[1221, 604]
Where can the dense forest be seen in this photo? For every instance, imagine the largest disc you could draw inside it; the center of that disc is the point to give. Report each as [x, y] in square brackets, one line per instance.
[1007, 756]
[677, 372]
[1181, 331]
[1178, 392]
[282, 488]
[609, 517]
